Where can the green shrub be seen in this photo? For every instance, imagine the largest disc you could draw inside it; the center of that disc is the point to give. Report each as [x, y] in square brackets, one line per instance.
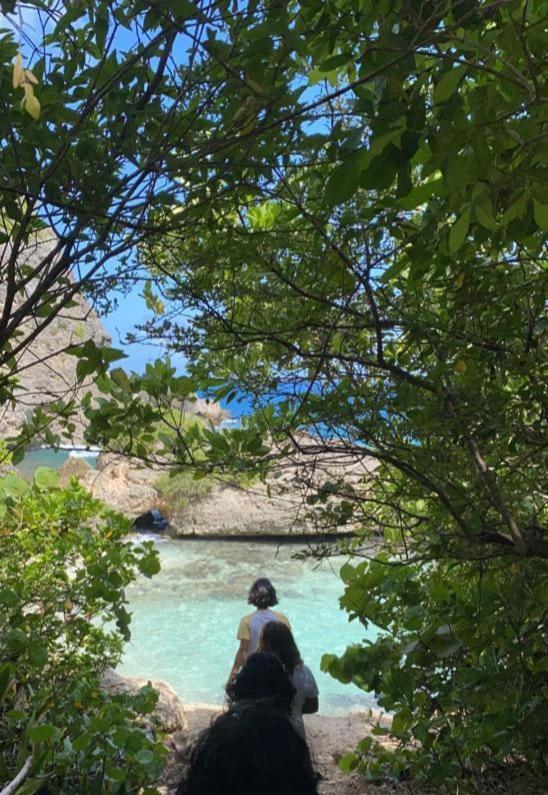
[178, 488]
[63, 569]
[462, 665]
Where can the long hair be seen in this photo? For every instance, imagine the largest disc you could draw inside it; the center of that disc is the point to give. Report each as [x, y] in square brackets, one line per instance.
[277, 639]
[250, 749]
[263, 679]
[262, 594]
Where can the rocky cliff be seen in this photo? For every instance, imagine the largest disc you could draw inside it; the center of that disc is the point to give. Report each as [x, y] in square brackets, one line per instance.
[276, 508]
[45, 371]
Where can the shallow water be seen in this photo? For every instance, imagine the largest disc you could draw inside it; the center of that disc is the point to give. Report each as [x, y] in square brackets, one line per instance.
[185, 618]
[46, 457]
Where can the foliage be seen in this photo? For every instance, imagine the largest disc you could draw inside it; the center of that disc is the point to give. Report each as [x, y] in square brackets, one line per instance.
[381, 275]
[63, 570]
[176, 489]
[460, 661]
[341, 208]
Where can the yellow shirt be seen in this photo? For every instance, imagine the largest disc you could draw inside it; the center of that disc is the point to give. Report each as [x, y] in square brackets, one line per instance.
[251, 626]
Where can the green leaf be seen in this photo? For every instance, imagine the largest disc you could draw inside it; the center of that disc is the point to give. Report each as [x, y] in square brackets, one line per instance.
[38, 656]
[335, 62]
[7, 674]
[447, 84]
[486, 219]
[348, 762]
[181, 8]
[149, 565]
[13, 486]
[345, 178]
[45, 478]
[30, 787]
[17, 455]
[420, 194]
[458, 232]
[43, 732]
[541, 215]
[82, 741]
[8, 597]
[144, 756]
[401, 722]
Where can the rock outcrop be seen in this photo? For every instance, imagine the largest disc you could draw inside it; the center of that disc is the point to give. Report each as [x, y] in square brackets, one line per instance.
[45, 372]
[169, 714]
[122, 486]
[169, 710]
[278, 507]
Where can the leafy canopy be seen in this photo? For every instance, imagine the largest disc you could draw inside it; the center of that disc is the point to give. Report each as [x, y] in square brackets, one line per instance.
[341, 210]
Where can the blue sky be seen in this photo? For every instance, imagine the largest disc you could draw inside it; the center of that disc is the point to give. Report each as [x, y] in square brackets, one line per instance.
[131, 311]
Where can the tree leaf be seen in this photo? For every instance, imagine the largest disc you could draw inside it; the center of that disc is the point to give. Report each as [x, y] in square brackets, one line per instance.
[13, 486]
[181, 8]
[43, 732]
[486, 219]
[420, 194]
[7, 674]
[31, 786]
[345, 178]
[541, 215]
[447, 84]
[348, 762]
[18, 73]
[458, 232]
[32, 106]
[45, 478]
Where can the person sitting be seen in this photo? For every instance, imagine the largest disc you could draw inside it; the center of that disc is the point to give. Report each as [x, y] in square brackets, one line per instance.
[262, 595]
[277, 639]
[263, 679]
[248, 750]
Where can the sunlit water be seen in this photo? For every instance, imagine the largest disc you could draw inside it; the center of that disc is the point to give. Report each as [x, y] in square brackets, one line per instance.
[46, 457]
[185, 618]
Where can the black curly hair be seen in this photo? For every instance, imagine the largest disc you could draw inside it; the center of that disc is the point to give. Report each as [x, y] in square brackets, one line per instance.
[262, 594]
[263, 678]
[247, 750]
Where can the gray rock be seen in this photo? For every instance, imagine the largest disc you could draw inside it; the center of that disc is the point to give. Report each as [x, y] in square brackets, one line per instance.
[46, 372]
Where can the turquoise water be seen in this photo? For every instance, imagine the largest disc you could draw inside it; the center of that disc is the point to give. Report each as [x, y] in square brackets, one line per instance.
[185, 618]
[45, 457]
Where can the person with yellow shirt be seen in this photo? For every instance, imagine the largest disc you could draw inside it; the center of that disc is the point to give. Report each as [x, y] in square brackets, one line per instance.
[262, 595]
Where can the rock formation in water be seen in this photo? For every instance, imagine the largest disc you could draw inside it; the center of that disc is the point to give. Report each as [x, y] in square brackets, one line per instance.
[278, 507]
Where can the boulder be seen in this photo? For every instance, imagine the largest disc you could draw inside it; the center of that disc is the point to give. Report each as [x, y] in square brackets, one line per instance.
[122, 486]
[278, 507]
[170, 714]
[169, 710]
[73, 467]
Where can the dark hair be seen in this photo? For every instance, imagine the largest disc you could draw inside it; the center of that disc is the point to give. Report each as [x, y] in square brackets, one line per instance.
[263, 679]
[262, 594]
[248, 750]
[278, 639]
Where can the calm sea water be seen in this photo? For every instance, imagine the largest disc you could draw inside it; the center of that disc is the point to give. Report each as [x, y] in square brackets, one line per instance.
[45, 457]
[185, 618]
